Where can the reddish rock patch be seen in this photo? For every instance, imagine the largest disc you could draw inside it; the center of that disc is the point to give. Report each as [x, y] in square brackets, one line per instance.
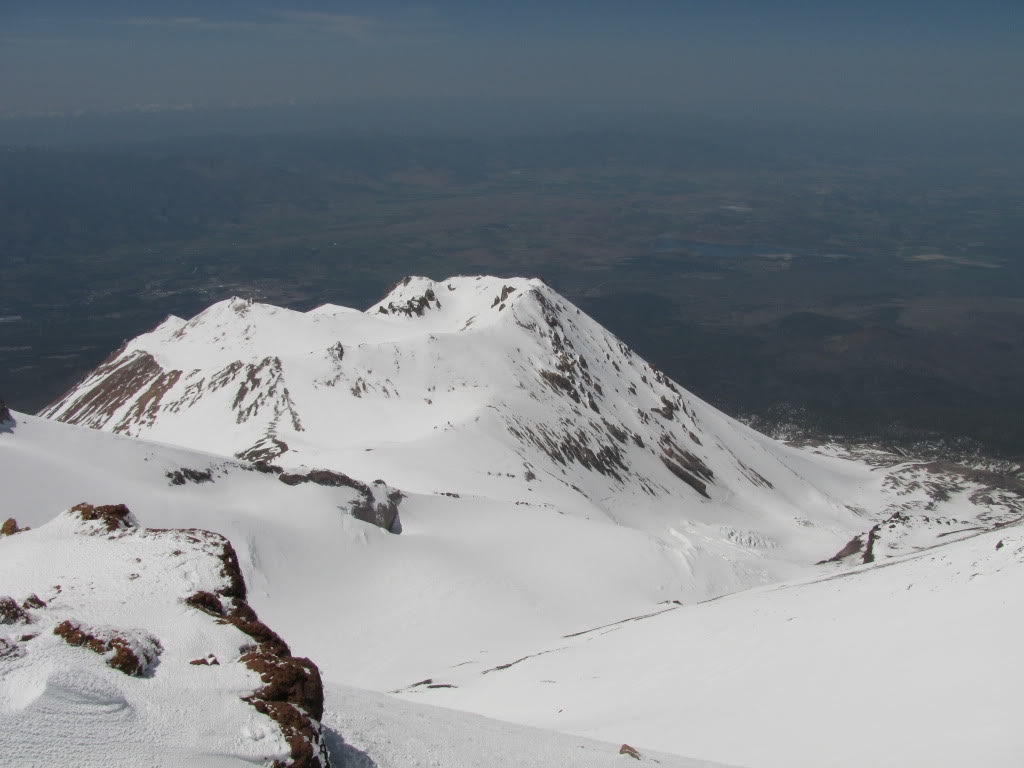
[132, 657]
[12, 613]
[625, 749]
[10, 527]
[115, 517]
[292, 694]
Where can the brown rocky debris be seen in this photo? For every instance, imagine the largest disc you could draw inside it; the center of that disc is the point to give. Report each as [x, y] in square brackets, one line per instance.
[33, 601]
[287, 678]
[12, 613]
[207, 602]
[114, 516]
[300, 731]
[10, 527]
[292, 693]
[125, 658]
[625, 749]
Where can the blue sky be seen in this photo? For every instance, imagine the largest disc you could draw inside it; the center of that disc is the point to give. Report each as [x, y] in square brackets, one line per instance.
[602, 54]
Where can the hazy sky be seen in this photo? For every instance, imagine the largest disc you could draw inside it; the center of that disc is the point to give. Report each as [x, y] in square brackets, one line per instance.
[594, 54]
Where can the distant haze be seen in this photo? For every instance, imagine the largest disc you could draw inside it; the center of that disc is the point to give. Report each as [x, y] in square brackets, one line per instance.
[597, 56]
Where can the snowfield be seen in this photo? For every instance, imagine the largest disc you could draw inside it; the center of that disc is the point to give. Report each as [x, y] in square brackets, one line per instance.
[471, 496]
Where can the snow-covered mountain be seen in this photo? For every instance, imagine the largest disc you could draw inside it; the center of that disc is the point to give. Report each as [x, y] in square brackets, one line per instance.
[486, 387]
[441, 495]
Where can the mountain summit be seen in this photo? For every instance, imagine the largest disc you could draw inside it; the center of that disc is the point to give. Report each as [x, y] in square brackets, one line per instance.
[493, 387]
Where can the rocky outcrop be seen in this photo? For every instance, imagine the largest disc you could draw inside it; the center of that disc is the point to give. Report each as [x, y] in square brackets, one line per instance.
[5, 413]
[377, 503]
[187, 475]
[292, 693]
[9, 527]
[115, 611]
[132, 652]
[109, 518]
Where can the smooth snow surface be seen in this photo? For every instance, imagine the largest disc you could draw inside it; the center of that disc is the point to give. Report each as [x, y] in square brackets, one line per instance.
[371, 730]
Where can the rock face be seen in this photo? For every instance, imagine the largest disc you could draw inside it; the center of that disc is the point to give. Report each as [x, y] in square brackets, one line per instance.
[140, 617]
[377, 503]
[5, 413]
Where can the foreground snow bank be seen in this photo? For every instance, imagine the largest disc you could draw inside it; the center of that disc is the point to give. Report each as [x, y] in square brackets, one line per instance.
[384, 732]
[122, 645]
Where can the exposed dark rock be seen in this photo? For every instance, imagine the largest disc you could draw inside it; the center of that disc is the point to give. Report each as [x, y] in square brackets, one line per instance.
[852, 547]
[667, 409]
[263, 451]
[135, 659]
[869, 550]
[560, 383]
[267, 468]
[414, 306]
[383, 514]
[5, 413]
[575, 447]
[688, 467]
[186, 475]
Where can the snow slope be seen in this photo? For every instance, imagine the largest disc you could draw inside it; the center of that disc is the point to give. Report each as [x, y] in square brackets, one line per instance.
[373, 730]
[908, 663]
[468, 577]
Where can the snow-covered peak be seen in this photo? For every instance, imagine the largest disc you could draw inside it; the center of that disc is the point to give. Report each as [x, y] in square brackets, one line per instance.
[457, 298]
[493, 387]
